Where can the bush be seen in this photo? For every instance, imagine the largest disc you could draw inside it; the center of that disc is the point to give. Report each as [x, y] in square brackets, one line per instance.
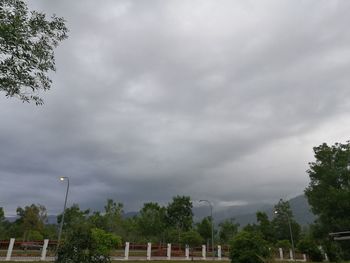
[191, 238]
[87, 245]
[284, 244]
[34, 235]
[249, 247]
[310, 248]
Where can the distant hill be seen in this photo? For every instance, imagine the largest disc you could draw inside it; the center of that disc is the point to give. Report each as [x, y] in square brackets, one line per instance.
[246, 214]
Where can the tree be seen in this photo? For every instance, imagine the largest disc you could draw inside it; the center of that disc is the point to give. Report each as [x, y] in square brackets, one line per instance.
[328, 192]
[249, 247]
[3, 225]
[73, 217]
[130, 228]
[113, 216]
[2, 215]
[179, 213]
[151, 221]
[227, 230]
[265, 227]
[27, 42]
[284, 216]
[31, 221]
[204, 228]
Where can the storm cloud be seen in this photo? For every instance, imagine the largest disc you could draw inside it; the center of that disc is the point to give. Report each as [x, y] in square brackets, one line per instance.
[221, 100]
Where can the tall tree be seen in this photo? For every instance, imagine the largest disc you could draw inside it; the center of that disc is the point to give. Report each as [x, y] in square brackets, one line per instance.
[179, 213]
[27, 42]
[151, 221]
[328, 192]
[265, 227]
[284, 216]
[204, 228]
[113, 216]
[3, 224]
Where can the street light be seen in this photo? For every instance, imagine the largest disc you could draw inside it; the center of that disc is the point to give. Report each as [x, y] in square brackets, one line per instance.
[212, 226]
[63, 178]
[290, 231]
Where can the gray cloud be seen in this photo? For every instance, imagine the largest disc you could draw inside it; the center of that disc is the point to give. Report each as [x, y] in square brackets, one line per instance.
[218, 100]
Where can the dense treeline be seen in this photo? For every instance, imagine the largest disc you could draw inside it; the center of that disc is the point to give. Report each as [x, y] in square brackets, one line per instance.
[154, 223]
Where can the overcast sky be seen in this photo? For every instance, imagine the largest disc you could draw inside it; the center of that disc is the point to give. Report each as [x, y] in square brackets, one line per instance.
[217, 99]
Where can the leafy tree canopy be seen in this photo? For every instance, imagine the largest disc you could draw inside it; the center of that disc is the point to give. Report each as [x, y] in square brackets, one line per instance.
[151, 221]
[27, 42]
[204, 228]
[31, 220]
[73, 216]
[2, 215]
[265, 227]
[282, 217]
[328, 193]
[179, 213]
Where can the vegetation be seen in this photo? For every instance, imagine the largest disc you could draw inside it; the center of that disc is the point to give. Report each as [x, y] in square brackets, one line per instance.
[191, 238]
[310, 248]
[328, 194]
[227, 230]
[249, 247]
[86, 244]
[97, 232]
[27, 42]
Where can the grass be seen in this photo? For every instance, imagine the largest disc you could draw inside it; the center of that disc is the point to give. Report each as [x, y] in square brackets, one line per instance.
[156, 261]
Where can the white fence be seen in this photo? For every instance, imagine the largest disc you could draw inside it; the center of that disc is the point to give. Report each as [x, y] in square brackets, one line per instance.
[38, 251]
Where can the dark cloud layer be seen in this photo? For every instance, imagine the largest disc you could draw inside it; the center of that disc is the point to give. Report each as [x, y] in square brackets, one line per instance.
[221, 100]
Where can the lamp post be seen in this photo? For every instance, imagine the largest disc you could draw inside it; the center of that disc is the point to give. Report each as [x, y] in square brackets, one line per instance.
[212, 226]
[63, 178]
[290, 231]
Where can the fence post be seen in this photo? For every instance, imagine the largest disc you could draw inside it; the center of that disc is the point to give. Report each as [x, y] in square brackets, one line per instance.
[168, 251]
[304, 257]
[203, 252]
[219, 252]
[281, 253]
[9, 250]
[126, 251]
[149, 247]
[187, 252]
[43, 252]
[291, 254]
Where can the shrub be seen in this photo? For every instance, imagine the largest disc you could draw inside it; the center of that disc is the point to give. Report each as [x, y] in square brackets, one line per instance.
[191, 238]
[249, 247]
[284, 244]
[87, 245]
[310, 248]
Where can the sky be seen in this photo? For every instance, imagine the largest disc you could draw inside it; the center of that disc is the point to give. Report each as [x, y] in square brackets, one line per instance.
[219, 100]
